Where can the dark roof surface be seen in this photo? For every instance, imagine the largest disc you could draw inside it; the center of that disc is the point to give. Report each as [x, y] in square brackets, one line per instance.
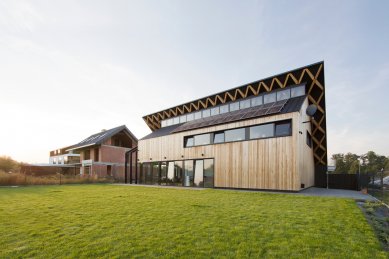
[162, 131]
[280, 107]
[100, 137]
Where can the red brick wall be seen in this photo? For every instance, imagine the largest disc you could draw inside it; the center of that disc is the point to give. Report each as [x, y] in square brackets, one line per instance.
[112, 154]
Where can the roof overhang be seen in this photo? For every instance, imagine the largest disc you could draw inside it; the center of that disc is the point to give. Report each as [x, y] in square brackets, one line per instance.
[80, 147]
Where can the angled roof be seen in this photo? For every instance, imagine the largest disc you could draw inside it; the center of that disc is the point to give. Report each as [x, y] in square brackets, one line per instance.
[313, 77]
[99, 138]
[269, 109]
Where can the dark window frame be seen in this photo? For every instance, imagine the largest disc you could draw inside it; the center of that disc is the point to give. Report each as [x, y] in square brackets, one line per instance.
[247, 133]
[217, 133]
[141, 165]
[280, 123]
[235, 129]
[308, 139]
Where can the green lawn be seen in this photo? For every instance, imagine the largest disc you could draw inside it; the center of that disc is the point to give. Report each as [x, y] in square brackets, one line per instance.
[124, 221]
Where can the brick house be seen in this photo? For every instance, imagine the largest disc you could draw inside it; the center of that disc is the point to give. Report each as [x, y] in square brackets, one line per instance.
[101, 154]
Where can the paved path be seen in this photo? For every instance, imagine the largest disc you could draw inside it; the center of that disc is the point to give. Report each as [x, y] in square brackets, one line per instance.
[323, 192]
[313, 191]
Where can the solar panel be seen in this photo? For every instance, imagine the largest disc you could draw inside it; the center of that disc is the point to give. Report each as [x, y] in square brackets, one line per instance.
[275, 109]
[247, 115]
[268, 105]
[260, 112]
[251, 112]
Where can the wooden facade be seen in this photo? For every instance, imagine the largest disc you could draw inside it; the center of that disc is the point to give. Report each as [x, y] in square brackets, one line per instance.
[277, 163]
[313, 77]
[289, 162]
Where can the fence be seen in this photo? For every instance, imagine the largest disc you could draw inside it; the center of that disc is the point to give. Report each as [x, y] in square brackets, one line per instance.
[378, 185]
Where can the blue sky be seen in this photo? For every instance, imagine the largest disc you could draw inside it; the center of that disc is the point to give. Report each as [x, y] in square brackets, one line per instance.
[71, 68]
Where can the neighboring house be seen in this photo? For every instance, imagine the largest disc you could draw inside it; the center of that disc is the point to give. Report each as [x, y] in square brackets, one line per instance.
[63, 157]
[255, 136]
[100, 154]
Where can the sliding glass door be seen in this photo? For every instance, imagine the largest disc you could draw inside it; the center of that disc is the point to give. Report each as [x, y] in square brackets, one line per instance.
[208, 173]
[199, 172]
[188, 173]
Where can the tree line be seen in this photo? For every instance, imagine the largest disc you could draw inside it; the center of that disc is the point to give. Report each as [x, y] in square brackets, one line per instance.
[350, 163]
[7, 164]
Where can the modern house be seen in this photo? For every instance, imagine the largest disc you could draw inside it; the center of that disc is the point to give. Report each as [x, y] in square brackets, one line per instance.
[100, 154]
[255, 136]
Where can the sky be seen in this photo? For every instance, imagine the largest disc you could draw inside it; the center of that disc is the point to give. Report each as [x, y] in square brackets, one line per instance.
[69, 69]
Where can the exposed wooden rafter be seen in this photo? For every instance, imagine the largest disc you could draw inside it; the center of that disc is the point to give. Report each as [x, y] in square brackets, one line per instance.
[312, 76]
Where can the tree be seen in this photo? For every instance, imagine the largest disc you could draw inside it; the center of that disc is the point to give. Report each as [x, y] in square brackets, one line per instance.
[7, 164]
[351, 161]
[387, 164]
[339, 163]
[375, 162]
[354, 168]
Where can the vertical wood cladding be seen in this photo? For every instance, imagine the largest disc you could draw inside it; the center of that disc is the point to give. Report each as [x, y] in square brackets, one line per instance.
[272, 163]
[312, 75]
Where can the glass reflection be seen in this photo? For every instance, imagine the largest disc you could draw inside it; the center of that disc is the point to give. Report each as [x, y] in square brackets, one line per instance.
[199, 171]
[163, 178]
[188, 173]
[208, 173]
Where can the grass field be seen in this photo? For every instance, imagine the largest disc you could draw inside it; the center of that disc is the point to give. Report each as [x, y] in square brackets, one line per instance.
[124, 221]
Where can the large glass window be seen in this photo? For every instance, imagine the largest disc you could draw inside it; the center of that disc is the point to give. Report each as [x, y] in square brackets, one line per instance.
[190, 117]
[262, 131]
[203, 139]
[256, 101]
[169, 122]
[147, 177]
[199, 172]
[189, 142]
[269, 98]
[215, 111]
[244, 104]
[298, 91]
[188, 173]
[235, 135]
[163, 178]
[170, 174]
[224, 108]
[208, 173]
[182, 118]
[206, 113]
[177, 180]
[268, 130]
[155, 173]
[283, 128]
[283, 94]
[234, 106]
[197, 115]
[218, 137]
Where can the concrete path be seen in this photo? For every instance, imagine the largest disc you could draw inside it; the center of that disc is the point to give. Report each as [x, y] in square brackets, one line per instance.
[323, 192]
[313, 191]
